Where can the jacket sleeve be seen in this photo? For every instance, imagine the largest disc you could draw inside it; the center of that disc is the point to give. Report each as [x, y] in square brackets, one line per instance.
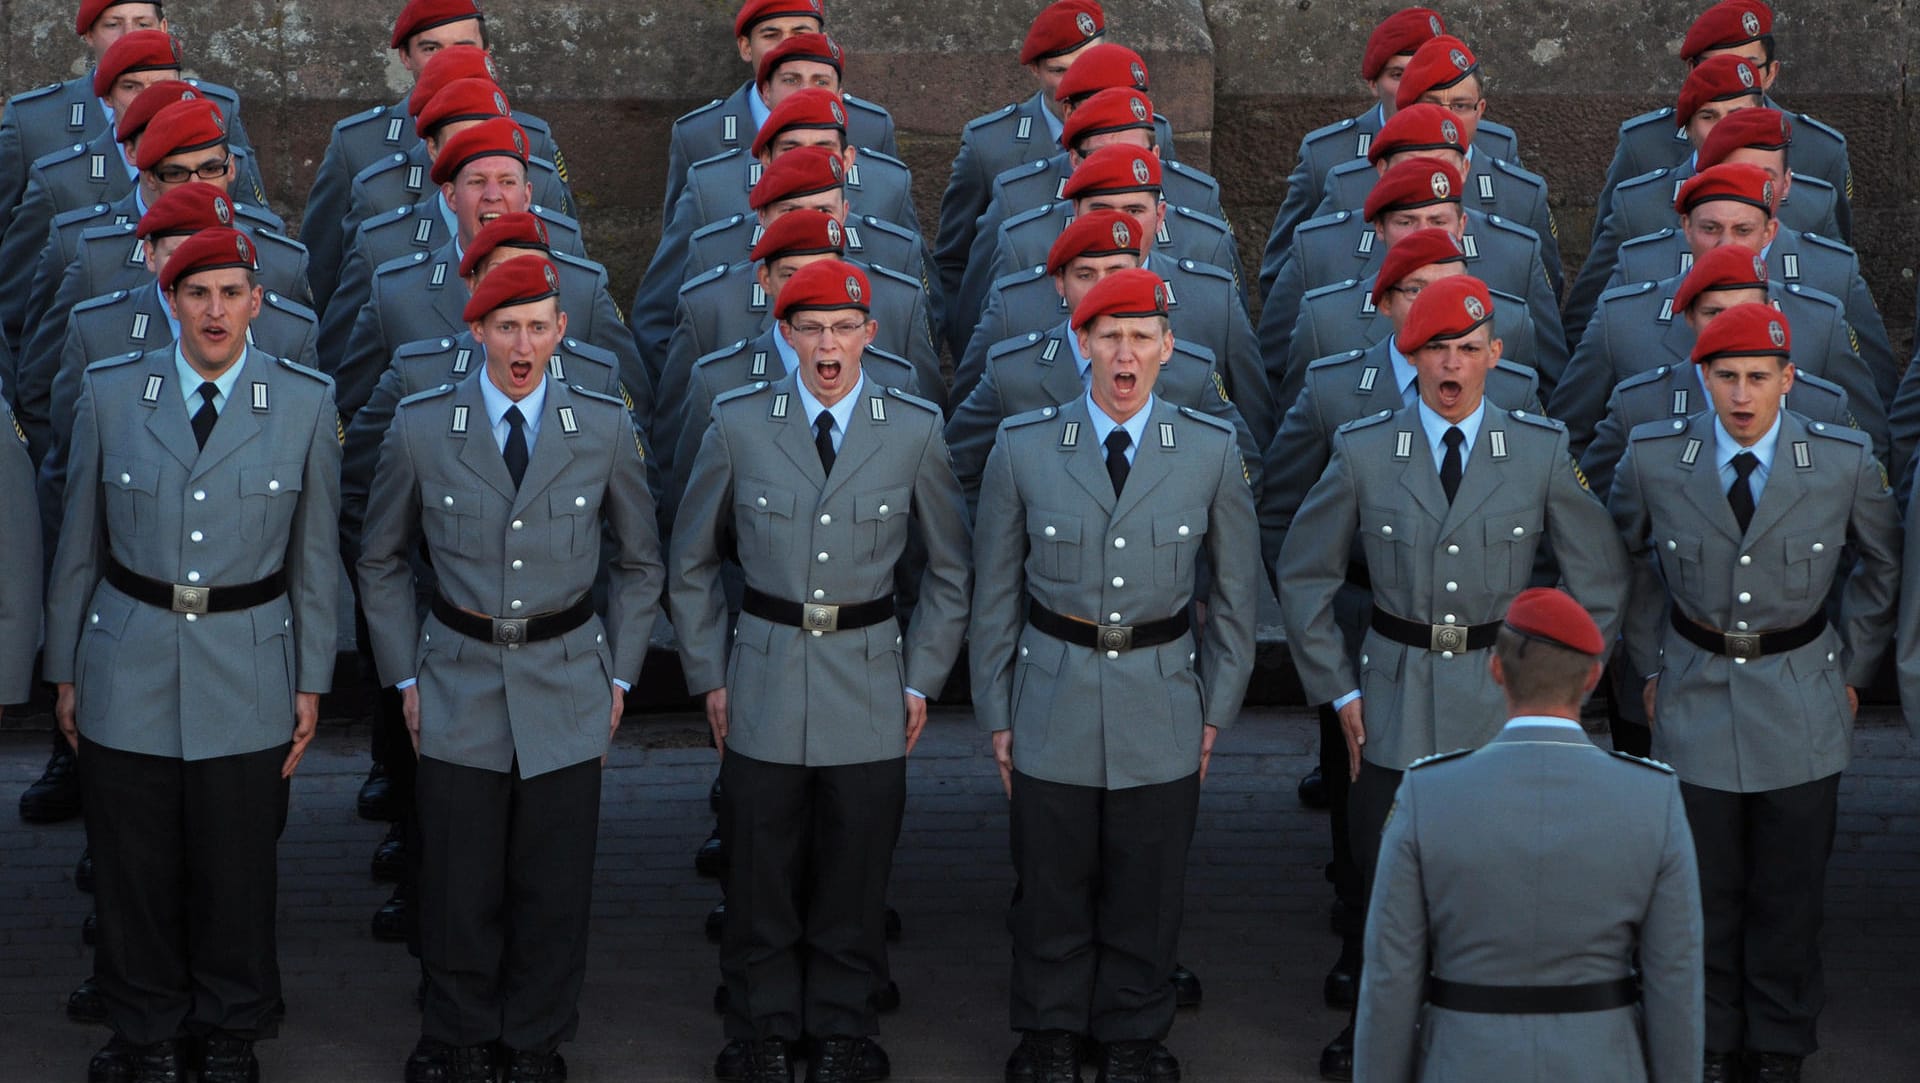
[82, 548]
[1867, 603]
[20, 592]
[1671, 963]
[386, 575]
[695, 599]
[1646, 593]
[1292, 463]
[993, 631]
[1865, 400]
[1592, 558]
[1579, 399]
[940, 619]
[965, 198]
[1393, 984]
[1313, 564]
[360, 454]
[637, 571]
[970, 432]
[313, 556]
[1226, 655]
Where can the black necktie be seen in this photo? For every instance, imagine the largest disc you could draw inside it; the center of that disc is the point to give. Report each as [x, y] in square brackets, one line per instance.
[1450, 464]
[823, 440]
[516, 450]
[1117, 465]
[1740, 495]
[204, 417]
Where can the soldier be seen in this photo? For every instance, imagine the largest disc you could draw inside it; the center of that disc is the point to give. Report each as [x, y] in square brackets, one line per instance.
[1103, 738]
[20, 595]
[1537, 822]
[1747, 509]
[509, 783]
[817, 646]
[1450, 500]
[191, 635]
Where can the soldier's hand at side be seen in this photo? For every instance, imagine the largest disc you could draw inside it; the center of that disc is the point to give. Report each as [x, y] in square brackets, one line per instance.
[63, 714]
[1650, 694]
[306, 719]
[1853, 701]
[1003, 756]
[717, 718]
[410, 711]
[916, 719]
[1354, 726]
[619, 709]
[1207, 734]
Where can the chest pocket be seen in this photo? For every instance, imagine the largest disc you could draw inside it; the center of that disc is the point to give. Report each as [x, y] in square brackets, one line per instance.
[1680, 563]
[129, 492]
[268, 495]
[574, 516]
[1053, 544]
[1812, 559]
[1511, 541]
[763, 515]
[1176, 542]
[1387, 537]
[878, 517]
[450, 517]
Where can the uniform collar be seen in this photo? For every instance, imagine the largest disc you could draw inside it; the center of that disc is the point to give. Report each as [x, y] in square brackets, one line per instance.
[1054, 124]
[789, 357]
[190, 379]
[1404, 374]
[1081, 362]
[497, 402]
[1136, 425]
[757, 109]
[1725, 447]
[1552, 721]
[842, 411]
[1437, 426]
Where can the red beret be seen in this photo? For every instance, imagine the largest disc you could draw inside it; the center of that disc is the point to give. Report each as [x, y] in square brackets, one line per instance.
[463, 99]
[1102, 67]
[190, 208]
[1437, 65]
[1726, 25]
[208, 250]
[1553, 615]
[1062, 27]
[802, 171]
[499, 137]
[1421, 248]
[1755, 127]
[813, 109]
[421, 15]
[818, 48]
[180, 128]
[521, 229]
[138, 50]
[1117, 109]
[802, 233]
[1450, 308]
[1733, 181]
[1096, 233]
[451, 64]
[1721, 79]
[1728, 267]
[516, 282]
[91, 10]
[754, 12]
[826, 286]
[1136, 293]
[1399, 34]
[1413, 182]
[140, 112]
[1114, 168]
[1422, 126]
[1749, 330]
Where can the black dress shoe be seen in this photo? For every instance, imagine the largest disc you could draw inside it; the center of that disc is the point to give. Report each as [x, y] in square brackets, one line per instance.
[1336, 1060]
[893, 925]
[526, 1066]
[390, 921]
[730, 1065]
[435, 1061]
[122, 1061]
[390, 857]
[710, 859]
[90, 930]
[84, 1004]
[1721, 1068]
[1045, 1056]
[1772, 1068]
[55, 795]
[1186, 987]
[1138, 1062]
[886, 999]
[227, 1059]
[83, 872]
[848, 1060]
[377, 800]
[1312, 790]
[719, 1000]
[1341, 990]
[767, 1061]
[716, 921]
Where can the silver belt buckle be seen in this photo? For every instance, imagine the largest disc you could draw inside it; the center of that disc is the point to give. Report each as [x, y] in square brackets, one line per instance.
[1448, 638]
[1742, 644]
[1115, 637]
[820, 618]
[509, 633]
[188, 599]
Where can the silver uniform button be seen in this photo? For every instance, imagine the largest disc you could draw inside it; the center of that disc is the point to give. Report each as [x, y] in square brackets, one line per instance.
[1452, 586]
[1819, 547]
[760, 502]
[579, 501]
[515, 604]
[826, 520]
[822, 558]
[1745, 560]
[273, 486]
[1050, 532]
[884, 509]
[126, 479]
[517, 524]
[192, 617]
[193, 577]
[447, 501]
[1448, 619]
[1739, 661]
[95, 619]
[1745, 597]
[1453, 550]
[1446, 654]
[197, 536]
[1119, 581]
[1119, 543]
[1387, 530]
[1672, 545]
[1740, 625]
[1184, 531]
[1519, 532]
[1023, 650]
[1113, 654]
[518, 564]
[199, 494]
[819, 594]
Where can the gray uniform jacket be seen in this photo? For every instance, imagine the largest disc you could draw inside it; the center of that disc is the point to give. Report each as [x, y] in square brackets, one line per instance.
[1907, 636]
[1341, 317]
[1380, 502]
[1050, 528]
[20, 592]
[802, 535]
[403, 179]
[1635, 329]
[506, 552]
[1203, 305]
[262, 497]
[723, 125]
[1719, 723]
[1903, 418]
[1032, 371]
[1806, 259]
[1325, 148]
[1596, 847]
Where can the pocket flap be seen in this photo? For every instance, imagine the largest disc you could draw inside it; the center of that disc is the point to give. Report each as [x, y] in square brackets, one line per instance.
[1042, 651]
[1810, 545]
[1512, 528]
[1179, 526]
[267, 623]
[759, 496]
[271, 480]
[880, 505]
[883, 639]
[448, 500]
[1386, 524]
[571, 503]
[754, 633]
[1683, 547]
[589, 638]
[1053, 526]
[110, 612]
[137, 475]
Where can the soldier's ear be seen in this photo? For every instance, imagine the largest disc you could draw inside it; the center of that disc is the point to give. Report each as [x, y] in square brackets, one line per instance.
[1495, 670]
[562, 323]
[1786, 377]
[1495, 350]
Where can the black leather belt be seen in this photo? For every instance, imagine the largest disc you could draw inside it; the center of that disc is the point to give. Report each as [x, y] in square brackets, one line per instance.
[1450, 638]
[193, 597]
[1106, 637]
[511, 632]
[816, 616]
[1747, 644]
[1599, 996]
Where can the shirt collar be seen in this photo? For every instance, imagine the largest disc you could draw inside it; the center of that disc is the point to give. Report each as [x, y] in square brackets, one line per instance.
[1404, 374]
[1054, 124]
[1136, 425]
[191, 380]
[1437, 426]
[1082, 363]
[757, 109]
[497, 402]
[789, 357]
[1725, 447]
[842, 411]
[447, 216]
[1552, 721]
[167, 311]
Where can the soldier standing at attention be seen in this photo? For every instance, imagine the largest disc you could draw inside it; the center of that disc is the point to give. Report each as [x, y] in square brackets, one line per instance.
[1751, 685]
[1103, 703]
[191, 631]
[1594, 846]
[20, 594]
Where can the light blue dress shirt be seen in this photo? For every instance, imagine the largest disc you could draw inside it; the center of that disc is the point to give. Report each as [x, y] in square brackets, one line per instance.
[191, 380]
[1136, 425]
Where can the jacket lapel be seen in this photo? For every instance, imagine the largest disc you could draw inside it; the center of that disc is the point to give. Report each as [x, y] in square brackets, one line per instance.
[1482, 474]
[1676, 340]
[1086, 459]
[1701, 482]
[861, 439]
[793, 432]
[551, 452]
[1420, 475]
[477, 449]
[1786, 481]
[1060, 374]
[1153, 460]
[167, 418]
[238, 423]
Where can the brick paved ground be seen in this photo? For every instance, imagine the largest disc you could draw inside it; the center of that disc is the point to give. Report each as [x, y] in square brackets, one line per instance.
[1256, 929]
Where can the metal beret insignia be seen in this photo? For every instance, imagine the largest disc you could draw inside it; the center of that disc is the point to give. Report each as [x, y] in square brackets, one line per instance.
[1088, 27]
[853, 288]
[219, 120]
[1760, 268]
[540, 233]
[1139, 107]
[1746, 74]
[222, 211]
[491, 72]
[1139, 75]
[1460, 60]
[1442, 187]
[833, 233]
[553, 280]
[1450, 132]
[241, 246]
[1750, 23]
[500, 103]
[1122, 236]
[833, 165]
[1766, 193]
[519, 142]
[1159, 296]
[839, 117]
[1475, 310]
[1776, 333]
[188, 95]
[1433, 24]
[1141, 174]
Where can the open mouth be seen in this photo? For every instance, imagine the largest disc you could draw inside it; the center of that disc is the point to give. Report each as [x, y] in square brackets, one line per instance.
[214, 333]
[1743, 419]
[1449, 393]
[1125, 382]
[522, 371]
[488, 216]
[828, 371]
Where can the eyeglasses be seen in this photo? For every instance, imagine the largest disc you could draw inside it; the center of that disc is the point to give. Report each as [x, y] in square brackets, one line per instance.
[841, 331]
[176, 174]
[1462, 106]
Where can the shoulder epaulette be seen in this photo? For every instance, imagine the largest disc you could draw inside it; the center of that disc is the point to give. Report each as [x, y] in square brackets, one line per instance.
[723, 352]
[214, 90]
[1341, 286]
[1325, 221]
[884, 226]
[1643, 179]
[1651, 238]
[1438, 757]
[720, 226]
[553, 217]
[596, 396]
[1030, 417]
[869, 154]
[912, 400]
[1329, 131]
[1838, 247]
[1552, 424]
[1334, 360]
[379, 165]
[429, 393]
[108, 232]
[1495, 128]
[1024, 169]
[590, 351]
[703, 278]
[1511, 226]
[425, 347]
[272, 239]
[691, 113]
[1631, 289]
[744, 391]
[55, 157]
[401, 263]
[1200, 353]
[720, 157]
[1802, 180]
[1028, 215]
[1519, 371]
[1192, 174]
[1520, 173]
[1652, 376]
[291, 307]
[1802, 120]
[36, 92]
[1657, 430]
[1206, 270]
[355, 120]
[311, 373]
[1204, 217]
[103, 301]
[863, 103]
[388, 217]
[874, 270]
[80, 214]
[985, 119]
[887, 355]
[1641, 760]
[1020, 277]
[116, 360]
[1014, 345]
[1208, 419]
[1663, 114]
[1819, 297]
[1368, 421]
[1844, 434]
